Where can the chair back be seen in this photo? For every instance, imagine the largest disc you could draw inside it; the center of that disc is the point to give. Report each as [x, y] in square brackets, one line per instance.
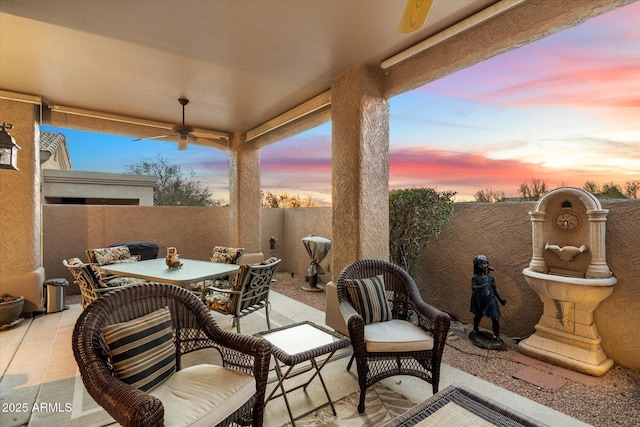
[134, 301]
[110, 255]
[85, 280]
[254, 283]
[399, 285]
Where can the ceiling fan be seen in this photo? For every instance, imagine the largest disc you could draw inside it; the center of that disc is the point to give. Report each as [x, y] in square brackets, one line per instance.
[414, 16]
[186, 133]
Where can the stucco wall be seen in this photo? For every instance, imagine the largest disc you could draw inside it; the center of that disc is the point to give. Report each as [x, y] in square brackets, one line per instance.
[303, 222]
[71, 229]
[21, 271]
[502, 231]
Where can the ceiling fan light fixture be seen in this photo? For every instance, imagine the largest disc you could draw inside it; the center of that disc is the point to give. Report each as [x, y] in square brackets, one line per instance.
[182, 142]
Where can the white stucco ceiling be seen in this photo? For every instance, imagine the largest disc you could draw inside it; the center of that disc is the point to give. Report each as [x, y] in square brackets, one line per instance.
[240, 63]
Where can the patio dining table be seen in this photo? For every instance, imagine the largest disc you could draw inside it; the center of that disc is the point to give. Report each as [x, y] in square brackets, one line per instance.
[156, 270]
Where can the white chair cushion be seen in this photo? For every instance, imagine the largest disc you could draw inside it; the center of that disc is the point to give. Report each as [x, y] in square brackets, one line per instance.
[203, 395]
[394, 336]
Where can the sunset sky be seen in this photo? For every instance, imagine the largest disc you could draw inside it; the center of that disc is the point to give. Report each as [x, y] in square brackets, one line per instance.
[565, 109]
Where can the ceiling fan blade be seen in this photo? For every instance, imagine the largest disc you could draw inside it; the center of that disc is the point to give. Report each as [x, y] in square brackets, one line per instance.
[414, 16]
[208, 141]
[207, 135]
[155, 137]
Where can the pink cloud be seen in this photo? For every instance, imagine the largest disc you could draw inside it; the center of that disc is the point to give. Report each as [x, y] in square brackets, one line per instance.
[467, 173]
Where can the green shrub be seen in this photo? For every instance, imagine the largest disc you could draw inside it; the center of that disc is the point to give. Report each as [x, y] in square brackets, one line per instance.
[415, 216]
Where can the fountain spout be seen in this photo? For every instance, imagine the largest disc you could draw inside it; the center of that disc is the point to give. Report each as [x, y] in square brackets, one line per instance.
[566, 253]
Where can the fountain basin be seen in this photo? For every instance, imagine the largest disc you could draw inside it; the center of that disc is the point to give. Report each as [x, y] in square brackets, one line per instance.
[570, 289]
[566, 334]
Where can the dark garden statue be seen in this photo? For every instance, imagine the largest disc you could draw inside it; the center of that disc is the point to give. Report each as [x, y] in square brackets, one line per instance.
[484, 303]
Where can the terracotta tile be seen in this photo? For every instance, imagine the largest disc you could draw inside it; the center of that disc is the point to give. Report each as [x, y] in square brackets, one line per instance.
[576, 376]
[530, 361]
[539, 378]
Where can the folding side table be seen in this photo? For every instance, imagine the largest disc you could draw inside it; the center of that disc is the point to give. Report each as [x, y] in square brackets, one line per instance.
[297, 343]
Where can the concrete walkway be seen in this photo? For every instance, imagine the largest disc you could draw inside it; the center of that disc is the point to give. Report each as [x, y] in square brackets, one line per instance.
[40, 383]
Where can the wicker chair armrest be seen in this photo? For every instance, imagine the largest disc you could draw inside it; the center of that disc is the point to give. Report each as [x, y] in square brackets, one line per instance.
[257, 347]
[428, 311]
[353, 320]
[131, 407]
[440, 321]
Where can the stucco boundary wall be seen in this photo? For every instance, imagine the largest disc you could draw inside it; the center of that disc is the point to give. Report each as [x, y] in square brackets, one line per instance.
[68, 230]
[502, 231]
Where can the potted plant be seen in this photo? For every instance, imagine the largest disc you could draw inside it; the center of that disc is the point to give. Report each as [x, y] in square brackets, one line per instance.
[10, 308]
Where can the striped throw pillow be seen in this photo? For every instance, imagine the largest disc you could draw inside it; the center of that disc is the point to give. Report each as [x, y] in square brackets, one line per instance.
[369, 299]
[142, 349]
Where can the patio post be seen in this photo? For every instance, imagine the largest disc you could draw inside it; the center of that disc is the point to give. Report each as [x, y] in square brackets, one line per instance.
[21, 271]
[244, 194]
[360, 168]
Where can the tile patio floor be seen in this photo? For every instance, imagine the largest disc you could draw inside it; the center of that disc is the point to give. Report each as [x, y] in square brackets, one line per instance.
[37, 365]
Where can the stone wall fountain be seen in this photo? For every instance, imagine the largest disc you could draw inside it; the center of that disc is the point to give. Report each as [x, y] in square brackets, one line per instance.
[569, 272]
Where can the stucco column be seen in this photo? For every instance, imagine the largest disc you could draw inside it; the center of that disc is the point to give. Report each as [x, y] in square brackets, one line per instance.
[597, 236]
[360, 168]
[21, 271]
[244, 194]
[537, 232]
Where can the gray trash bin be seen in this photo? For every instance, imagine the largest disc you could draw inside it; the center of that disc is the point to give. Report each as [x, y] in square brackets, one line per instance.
[56, 294]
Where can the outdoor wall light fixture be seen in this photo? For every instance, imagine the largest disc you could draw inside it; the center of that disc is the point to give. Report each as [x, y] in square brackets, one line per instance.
[8, 149]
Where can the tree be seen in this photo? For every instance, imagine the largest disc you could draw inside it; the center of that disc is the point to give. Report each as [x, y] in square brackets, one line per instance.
[611, 191]
[489, 195]
[592, 187]
[533, 191]
[284, 200]
[631, 189]
[608, 190]
[415, 216]
[174, 187]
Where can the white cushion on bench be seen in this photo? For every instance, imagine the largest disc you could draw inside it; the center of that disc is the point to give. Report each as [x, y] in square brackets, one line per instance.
[395, 336]
[203, 395]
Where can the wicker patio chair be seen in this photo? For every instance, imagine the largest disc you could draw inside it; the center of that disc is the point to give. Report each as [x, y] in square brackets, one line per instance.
[248, 292]
[409, 341]
[226, 393]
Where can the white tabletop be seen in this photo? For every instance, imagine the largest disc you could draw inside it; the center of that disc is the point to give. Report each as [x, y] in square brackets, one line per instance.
[192, 271]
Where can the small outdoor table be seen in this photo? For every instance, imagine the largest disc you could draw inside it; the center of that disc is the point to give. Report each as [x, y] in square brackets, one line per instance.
[317, 247]
[297, 343]
[156, 270]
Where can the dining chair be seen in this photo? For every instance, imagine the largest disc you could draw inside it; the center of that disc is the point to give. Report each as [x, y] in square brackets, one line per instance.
[249, 292]
[223, 255]
[392, 330]
[146, 381]
[92, 287]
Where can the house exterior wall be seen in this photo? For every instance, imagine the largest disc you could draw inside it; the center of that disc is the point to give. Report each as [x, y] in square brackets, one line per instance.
[502, 231]
[97, 186]
[21, 271]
